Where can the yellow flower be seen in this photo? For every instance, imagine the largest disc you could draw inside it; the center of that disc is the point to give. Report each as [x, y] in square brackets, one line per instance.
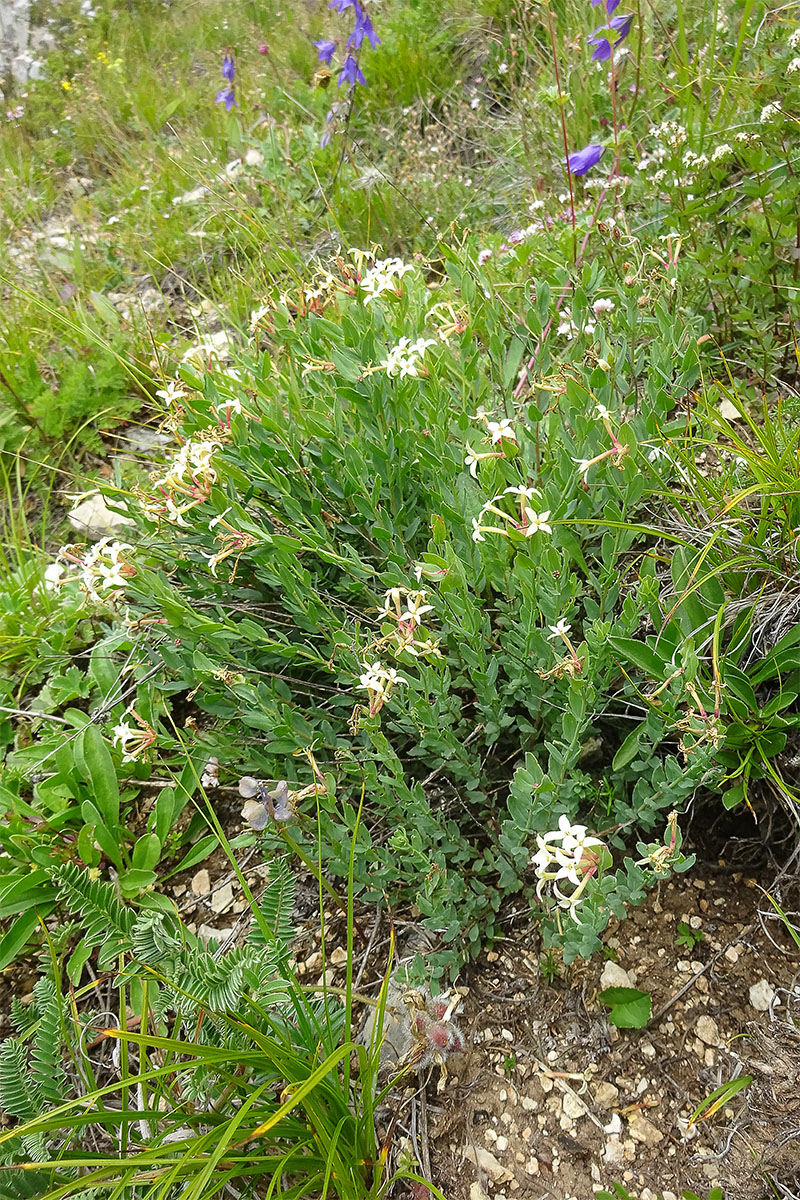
[66, 85]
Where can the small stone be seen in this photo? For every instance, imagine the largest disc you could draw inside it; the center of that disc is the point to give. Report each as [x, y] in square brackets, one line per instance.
[732, 954]
[614, 1125]
[529, 1104]
[201, 883]
[614, 1152]
[614, 975]
[695, 922]
[476, 1192]
[484, 1160]
[222, 898]
[761, 995]
[708, 1030]
[209, 933]
[642, 1130]
[573, 1106]
[94, 519]
[338, 956]
[606, 1095]
[545, 1083]
[502, 1143]
[532, 1166]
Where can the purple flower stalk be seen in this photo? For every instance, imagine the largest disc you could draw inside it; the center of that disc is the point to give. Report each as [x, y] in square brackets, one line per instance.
[350, 73]
[583, 160]
[226, 94]
[601, 38]
[326, 49]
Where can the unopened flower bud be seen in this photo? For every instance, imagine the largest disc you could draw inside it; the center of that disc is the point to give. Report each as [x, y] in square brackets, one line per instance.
[263, 48]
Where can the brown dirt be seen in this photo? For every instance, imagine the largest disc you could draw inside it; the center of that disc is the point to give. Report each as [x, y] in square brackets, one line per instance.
[563, 1101]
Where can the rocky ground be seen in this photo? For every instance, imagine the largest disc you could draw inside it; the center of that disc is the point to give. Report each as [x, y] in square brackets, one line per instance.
[550, 1100]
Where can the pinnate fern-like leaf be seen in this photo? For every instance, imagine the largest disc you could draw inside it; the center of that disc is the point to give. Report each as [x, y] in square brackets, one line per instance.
[107, 922]
[276, 906]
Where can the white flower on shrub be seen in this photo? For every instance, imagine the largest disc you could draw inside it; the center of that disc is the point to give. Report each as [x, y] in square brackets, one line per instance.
[101, 569]
[379, 681]
[383, 277]
[172, 392]
[501, 429]
[484, 256]
[537, 522]
[603, 306]
[406, 357]
[134, 740]
[574, 861]
[770, 114]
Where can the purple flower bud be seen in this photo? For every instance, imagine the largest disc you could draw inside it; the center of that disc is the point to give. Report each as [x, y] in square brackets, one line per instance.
[228, 70]
[610, 5]
[326, 50]
[264, 48]
[351, 73]
[583, 160]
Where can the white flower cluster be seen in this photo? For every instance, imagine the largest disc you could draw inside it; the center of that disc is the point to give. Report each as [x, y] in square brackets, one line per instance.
[793, 67]
[568, 329]
[574, 861]
[134, 740]
[770, 114]
[529, 522]
[379, 681]
[406, 357]
[104, 567]
[794, 39]
[186, 482]
[407, 608]
[213, 348]
[670, 133]
[382, 277]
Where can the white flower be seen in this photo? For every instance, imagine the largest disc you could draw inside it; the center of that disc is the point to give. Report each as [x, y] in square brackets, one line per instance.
[477, 532]
[602, 413]
[124, 734]
[257, 316]
[382, 277]
[501, 429]
[52, 576]
[173, 393]
[793, 67]
[415, 607]
[603, 306]
[537, 522]
[502, 68]
[604, 364]
[793, 40]
[583, 465]
[723, 150]
[524, 493]
[484, 256]
[472, 461]
[556, 631]
[770, 113]
[406, 357]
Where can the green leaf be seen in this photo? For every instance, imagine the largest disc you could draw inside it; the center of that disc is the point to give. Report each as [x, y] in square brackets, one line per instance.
[640, 655]
[146, 852]
[628, 750]
[101, 775]
[17, 936]
[630, 1008]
